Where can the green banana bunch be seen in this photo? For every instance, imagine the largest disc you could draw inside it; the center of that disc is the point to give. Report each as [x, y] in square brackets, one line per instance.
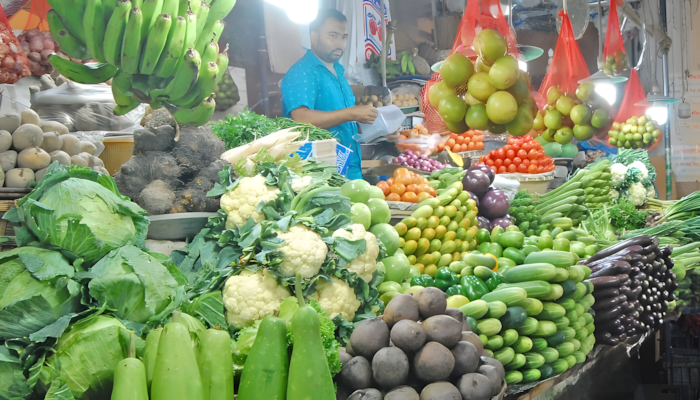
[404, 61]
[160, 52]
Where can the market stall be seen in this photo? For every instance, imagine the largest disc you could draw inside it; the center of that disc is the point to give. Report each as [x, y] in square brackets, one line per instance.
[151, 253]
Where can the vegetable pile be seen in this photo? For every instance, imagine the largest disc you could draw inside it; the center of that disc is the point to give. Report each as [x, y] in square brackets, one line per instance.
[408, 186]
[523, 155]
[634, 285]
[418, 161]
[493, 204]
[418, 346]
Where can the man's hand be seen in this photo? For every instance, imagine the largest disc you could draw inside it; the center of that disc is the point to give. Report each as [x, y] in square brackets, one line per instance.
[364, 114]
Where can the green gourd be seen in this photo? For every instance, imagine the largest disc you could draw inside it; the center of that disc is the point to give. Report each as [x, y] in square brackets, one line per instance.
[216, 364]
[149, 355]
[130, 377]
[309, 375]
[266, 368]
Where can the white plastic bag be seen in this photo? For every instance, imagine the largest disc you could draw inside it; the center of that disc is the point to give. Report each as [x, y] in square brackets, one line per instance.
[388, 121]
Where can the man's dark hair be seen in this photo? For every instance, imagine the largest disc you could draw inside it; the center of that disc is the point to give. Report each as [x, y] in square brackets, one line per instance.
[323, 16]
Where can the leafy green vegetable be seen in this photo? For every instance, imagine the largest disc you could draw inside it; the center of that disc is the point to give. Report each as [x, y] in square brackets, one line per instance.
[36, 292]
[134, 284]
[245, 127]
[86, 356]
[624, 216]
[79, 212]
[13, 384]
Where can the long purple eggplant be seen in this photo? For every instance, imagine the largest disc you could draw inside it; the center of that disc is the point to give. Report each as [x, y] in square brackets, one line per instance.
[605, 282]
[614, 268]
[641, 240]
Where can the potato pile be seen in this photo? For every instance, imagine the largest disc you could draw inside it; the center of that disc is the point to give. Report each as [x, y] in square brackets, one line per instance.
[405, 100]
[418, 350]
[374, 101]
[29, 145]
[39, 46]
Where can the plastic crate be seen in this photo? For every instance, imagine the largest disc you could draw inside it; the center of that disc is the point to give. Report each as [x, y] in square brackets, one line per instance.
[117, 151]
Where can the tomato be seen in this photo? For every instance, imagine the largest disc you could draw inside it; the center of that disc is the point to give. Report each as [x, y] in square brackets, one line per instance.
[500, 154]
[450, 143]
[526, 138]
[502, 170]
[540, 169]
[533, 155]
[498, 163]
[392, 197]
[459, 140]
[433, 192]
[532, 169]
[536, 145]
[512, 168]
[390, 181]
[507, 162]
[489, 163]
[516, 147]
[400, 171]
[411, 188]
[494, 170]
[398, 188]
[423, 196]
[487, 157]
[510, 154]
[526, 162]
[492, 154]
[384, 187]
[522, 168]
[410, 197]
[532, 162]
[522, 154]
[404, 179]
[517, 161]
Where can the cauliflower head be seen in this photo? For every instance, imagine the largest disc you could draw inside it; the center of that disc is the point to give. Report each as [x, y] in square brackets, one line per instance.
[337, 298]
[251, 296]
[637, 194]
[641, 167]
[303, 252]
[365, 264]
[618, 171]
[299, 184]
[651, 192]
[614, 194]
[241, 202]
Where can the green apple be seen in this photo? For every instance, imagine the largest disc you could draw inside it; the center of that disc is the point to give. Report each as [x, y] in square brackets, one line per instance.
[538, 124]
[583, 132]
[380, 211]
[584, 91]
[386, 234]
[553, 94]
[397, 268]
[548, 134]
[360, 214]
[357, 191]
[580, 114]
[552, 120]
[565, 104]
[564, 135]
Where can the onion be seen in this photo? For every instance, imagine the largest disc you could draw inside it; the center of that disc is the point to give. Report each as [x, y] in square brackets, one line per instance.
[409, 152]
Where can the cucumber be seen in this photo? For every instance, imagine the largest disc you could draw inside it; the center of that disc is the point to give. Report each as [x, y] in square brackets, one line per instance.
[475, 309]
[517, 256]
[569, 332]
[550, 355]
[555, 293]
[531, 272]
[510, 336]
[476, 260]
[560, 366]
[556, 339]
[580, 357]
[567, 303]
[482, 273]
[534, 360]
[551, 311]
[532, 306]
[531, 375]
[576, 273]
[513, 377]
[562, 323]
[571, 360]
[547, 371]
[534, 289]
[581, 334]
[545, 329]
[513, 317]
[511, 239]
[577, 344]
[565, 349]
[489, 326]
[560, 259]
[509, 296]
[496, 309]
[504, 355]
[527, 327]
[495, 342]
[518, 361]
[522, 345]
[569, 287]
[539, 344]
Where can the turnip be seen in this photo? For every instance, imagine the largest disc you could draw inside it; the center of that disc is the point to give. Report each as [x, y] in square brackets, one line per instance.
[52, 142]
[30, 117]
[53, 126]
[39, 175]
[8, 160]
[19, 178]
[79, 160]
[61, 156]
[33, 158]
[71, 145]
[5, 140]
[10, 122]
[27, 136]
[88, 147]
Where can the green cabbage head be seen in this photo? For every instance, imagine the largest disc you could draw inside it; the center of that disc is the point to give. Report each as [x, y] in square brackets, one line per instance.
[78, 211]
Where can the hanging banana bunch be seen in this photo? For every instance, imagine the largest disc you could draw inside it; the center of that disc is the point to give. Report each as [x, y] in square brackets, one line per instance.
[159, 52]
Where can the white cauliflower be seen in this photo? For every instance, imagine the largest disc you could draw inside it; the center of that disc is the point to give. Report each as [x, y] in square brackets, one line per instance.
[365, 264]
[337, 297]
[249, 297]
[641, 167]
[241, 202]
[614, 194]
[651, 192]
[299, 184]
[304, 252]
[637, 194]
[618, 172]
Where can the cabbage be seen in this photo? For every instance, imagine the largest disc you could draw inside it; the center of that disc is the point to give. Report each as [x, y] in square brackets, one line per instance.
[78, 211]
[37, 293]
[134, 285]
[86, 356]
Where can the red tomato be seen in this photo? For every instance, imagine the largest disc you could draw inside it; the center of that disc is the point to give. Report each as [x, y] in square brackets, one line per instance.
[507, 162]
[532, 169]
[527, 138]
[527, 146]
[522, 168]
[533, 155]
[502, 170]
[540, 169]
[516, 147]
[517, 161]
[522, 154]
[489, 163]
[526, 162]
[498, 163]
[510, 154]
[512, 168]
[534, 162]
[536, 145]
[494, 170]
[500, 153]
[486, 157]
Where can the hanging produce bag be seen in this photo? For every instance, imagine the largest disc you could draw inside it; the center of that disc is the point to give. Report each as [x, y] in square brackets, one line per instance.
[568, 65]
[476, 18]
[31, 16]
[632, 128]
[615, 59]
[14, 64]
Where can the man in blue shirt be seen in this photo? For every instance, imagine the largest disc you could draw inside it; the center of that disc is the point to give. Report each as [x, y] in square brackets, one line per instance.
[315, 91]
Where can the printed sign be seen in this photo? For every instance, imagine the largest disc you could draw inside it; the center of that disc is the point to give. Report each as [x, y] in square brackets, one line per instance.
[372, 34]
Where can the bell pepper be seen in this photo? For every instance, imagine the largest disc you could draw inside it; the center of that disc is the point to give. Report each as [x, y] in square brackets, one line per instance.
[444, 279]
[473, 288]
[495, 280]
[423, 280]
[454, 290]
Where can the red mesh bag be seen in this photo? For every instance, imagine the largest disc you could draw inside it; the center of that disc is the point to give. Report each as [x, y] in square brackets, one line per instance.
[615, 58]
[487, 16]
[31, 16]
[568, 65]
[14, 64]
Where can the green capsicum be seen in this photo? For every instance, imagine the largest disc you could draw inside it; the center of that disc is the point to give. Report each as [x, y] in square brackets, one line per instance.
[454, 290]
[422, 280]
[473, 288]
[495, 280]
[444, 278]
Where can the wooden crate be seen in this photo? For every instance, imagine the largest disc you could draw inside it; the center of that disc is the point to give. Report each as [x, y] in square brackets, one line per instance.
[5, 227]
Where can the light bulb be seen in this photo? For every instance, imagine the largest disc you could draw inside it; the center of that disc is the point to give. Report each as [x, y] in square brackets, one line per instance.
[298, 11]
[659, 113]
[606, 91]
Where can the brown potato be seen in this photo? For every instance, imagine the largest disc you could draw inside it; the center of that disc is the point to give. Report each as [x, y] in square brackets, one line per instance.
[431, 301]
[401, 307]
[408, 335]
[493, 375]
[466, 359]
[494, 363]
[434, 362]
[474, 387]
[390, 367]
[473, 338]
[368, 338]
[440, 391]
[356, 374]
[344, 357]
[402, 393]
[456, 314]
[443, 329]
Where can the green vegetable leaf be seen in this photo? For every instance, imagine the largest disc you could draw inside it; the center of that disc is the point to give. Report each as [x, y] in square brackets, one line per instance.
[348, 250]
